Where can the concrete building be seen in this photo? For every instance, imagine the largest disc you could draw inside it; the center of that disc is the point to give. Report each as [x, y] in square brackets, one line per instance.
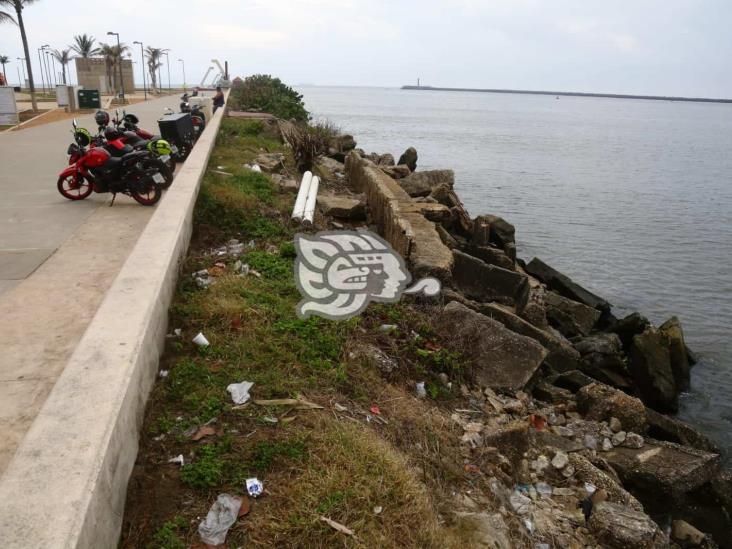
[92, 75]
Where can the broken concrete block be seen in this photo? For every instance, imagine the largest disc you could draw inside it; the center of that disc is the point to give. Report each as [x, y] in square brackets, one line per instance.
[564, 285]
[342, 206]
[484, 282]
[601, 402]
[501, 358]
[421, 183]
[619, 527]
[650, 366]
[570, 317]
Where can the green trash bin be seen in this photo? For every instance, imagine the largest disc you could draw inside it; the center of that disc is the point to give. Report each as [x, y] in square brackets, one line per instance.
[89, 99]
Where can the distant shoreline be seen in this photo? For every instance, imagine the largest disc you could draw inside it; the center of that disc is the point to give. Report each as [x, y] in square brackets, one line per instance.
[574, 94]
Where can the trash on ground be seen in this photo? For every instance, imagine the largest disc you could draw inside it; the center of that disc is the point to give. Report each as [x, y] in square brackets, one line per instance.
[297, 403]
[205, 431]
[537, 422]
[375, 410]
[254, 487]
[339, 407]
[246, 506]
[163, 373]
[337, 526]
[378, 509]
[388, 327]
[590, 488]
[421, 391]
[201, 340]
[240, 391]
[270, 419]
[543, 489]
[520, 503]
[178, 459]
[221, 516]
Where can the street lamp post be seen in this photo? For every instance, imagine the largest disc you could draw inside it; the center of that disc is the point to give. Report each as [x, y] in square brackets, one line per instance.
[119, 55]
[22, 67]
[167, 64]
[50, 63]
[40, 62]
[144, 78]
[184, 73]
[45, 64]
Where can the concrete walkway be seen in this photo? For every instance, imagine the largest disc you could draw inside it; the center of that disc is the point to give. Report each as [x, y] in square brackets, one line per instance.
[57, 260]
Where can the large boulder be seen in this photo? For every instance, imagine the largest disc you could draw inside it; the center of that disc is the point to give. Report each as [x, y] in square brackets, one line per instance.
[342, 206]
[340, 146]
[562, 356]
[661, 473]
[600, 402]
[564, 285]
[668, 428]
[628, 327]
[396, 172]
[498, 230]
[586, 471]
[492, 256]
[533, 310]
[409, 158]
[422, 183]
[570, 317]
[462, 223]
[619, 527]
[709, 508]
[573, 380]
[330, 169]
[603, 359]
[501, 358]
[650, 366]
[483, 282]
[674, 336]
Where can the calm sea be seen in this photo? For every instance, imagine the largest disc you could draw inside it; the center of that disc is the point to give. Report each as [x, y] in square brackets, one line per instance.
[631, 198]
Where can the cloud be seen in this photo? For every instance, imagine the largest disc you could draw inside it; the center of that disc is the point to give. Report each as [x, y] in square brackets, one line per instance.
[242, 37]
[624, 42]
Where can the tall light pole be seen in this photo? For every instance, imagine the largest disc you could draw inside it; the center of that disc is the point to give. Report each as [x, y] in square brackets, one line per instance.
[184, 73]
[167, 64]
[119, 56]
[22, 67]
[40, 62]
[51, 63]
[144, 78]
[45, 64]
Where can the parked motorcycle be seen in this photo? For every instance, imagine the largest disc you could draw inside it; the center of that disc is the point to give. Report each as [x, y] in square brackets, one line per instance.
[94, 169]
[128, 125]
[177, 128]
[198, 117]
[118, 143]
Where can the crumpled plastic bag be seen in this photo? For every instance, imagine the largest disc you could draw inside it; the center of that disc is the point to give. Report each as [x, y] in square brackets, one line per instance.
[240, 391]
[220, 518]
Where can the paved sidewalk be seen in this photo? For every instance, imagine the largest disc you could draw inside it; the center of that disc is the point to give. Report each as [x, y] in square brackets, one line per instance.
[57, 260]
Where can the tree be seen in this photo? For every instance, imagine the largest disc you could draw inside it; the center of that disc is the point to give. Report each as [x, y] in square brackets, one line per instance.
[19, 5]
[4, 60]
[84, 46]
[154, 62]
[267, 94]
[112, 56]
[63, 57]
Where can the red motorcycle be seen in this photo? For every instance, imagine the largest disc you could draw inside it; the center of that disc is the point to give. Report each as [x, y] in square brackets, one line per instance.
[93, 169]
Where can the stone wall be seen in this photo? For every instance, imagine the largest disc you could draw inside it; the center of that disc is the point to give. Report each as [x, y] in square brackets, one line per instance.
[92, 75]
[400, 220]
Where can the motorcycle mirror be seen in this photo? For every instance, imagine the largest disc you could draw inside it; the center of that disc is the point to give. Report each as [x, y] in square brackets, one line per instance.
[74, 123]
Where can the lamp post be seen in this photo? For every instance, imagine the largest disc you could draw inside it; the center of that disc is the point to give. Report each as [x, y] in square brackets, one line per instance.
[51, 63]
[45, 64]
[119, 56]
[184, 73]
[22, 67]
[144, 78]
[167, 64]
[40, 62]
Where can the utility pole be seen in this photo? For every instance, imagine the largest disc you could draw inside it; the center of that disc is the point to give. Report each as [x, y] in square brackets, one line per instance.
[184, 73]
[40, 62]
[22, 67]
[144, 78]
[119, 60]
[53, 64]
[167, 64]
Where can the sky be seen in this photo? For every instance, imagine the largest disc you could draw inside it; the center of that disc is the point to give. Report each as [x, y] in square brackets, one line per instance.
[665, 47]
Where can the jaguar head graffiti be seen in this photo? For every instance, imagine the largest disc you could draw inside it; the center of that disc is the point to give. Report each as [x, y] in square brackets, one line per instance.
[339, 272]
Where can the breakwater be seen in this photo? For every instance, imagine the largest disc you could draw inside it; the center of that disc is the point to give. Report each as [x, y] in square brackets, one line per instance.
[573, 94]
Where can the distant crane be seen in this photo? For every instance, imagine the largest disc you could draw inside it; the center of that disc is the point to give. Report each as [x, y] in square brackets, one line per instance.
[203, 80]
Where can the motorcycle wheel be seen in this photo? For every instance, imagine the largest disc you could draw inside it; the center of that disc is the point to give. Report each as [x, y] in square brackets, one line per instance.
[74, 187]
[149, 197]
[199, 124]
[163, 169]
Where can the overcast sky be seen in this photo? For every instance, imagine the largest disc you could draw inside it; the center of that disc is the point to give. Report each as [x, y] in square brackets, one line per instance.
[673, 47]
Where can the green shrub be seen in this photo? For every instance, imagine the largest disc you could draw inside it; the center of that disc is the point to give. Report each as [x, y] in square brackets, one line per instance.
[261, 92]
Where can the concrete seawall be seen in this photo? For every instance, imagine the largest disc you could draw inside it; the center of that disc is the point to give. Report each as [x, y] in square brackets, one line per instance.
[66, 484]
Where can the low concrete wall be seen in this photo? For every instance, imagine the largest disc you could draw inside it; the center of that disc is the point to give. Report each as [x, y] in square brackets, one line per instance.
[400, 220]
[67, 482]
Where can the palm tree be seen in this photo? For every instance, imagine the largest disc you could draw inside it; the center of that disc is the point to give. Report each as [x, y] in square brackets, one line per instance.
[4, 60]
[154, 63]
[63, 57]
[18, 5]
[84, 46]
[112, 56]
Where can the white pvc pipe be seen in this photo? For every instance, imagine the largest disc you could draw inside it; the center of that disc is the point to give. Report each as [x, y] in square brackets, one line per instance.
[302, 194]
[312, 198]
